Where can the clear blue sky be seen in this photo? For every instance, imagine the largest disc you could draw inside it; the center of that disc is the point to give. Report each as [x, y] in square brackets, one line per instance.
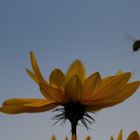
[59, 31]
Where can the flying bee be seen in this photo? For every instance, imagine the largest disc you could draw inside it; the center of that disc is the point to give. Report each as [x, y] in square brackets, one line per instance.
[136, 45]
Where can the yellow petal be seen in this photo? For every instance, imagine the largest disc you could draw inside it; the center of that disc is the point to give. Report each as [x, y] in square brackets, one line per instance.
[76, 68]
[111, 85]
[134, 136]
[126, 75]
[74, 89]
[19, 101]
[112, 100]
[120, 135]
[39, 103]
[36, 67]
[57, 78]
[91, 83]
[92, 107]
[119, 72]
[16, 106]
[32, 75]
[52, 93]
[126, 91]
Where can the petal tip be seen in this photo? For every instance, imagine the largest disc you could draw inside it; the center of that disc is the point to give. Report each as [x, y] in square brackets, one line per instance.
[77, 62]
[76, 68]
[32, 55]
[31, 52]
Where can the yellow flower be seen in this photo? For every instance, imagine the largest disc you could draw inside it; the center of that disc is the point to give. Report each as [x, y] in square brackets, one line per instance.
[133, 136]
[92, 92]
[76, 93]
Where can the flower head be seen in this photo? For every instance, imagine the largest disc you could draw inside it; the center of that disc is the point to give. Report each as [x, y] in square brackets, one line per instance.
[133, 136]
[76, 93]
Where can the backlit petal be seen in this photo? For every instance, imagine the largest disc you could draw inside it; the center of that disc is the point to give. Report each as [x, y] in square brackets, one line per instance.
[74, 89]
[134, 136]
[39, 103]
[92, 83]
[32, 75]
[111, 100]
[16, 106]
[76, 68]
[119, 72]
[111, 85]
[57, 78]
[126, 91]
[52, 93]
[36, 67]
[120, 135]
[121, 93]
[19, 101]
[92, 107]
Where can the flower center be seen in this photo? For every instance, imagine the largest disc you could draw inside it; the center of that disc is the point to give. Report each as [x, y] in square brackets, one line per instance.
[74, 111]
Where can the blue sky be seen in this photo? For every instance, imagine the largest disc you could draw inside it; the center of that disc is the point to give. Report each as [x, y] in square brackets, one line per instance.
[99, 33]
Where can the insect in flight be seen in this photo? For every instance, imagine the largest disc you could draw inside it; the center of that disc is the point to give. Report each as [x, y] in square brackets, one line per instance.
[136, 45]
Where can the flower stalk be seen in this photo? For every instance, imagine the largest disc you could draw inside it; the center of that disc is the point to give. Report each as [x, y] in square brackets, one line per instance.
[74, 132]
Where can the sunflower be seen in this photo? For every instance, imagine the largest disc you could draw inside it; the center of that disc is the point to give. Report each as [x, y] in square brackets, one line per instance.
[133, 136]
[74, 92]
